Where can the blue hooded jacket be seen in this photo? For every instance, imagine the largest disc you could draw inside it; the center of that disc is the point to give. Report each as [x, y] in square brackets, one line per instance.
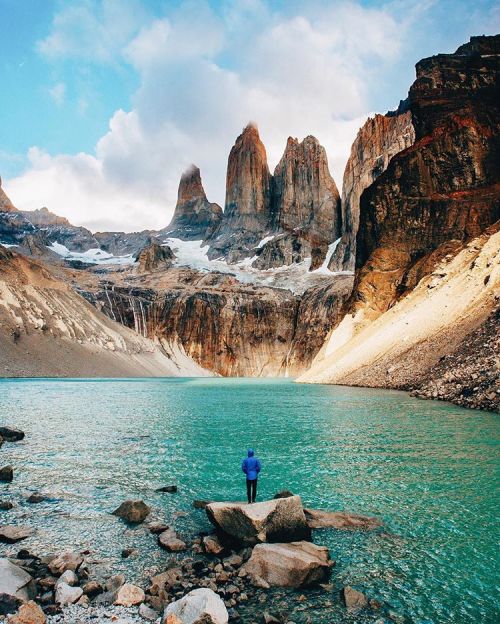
[251, 466]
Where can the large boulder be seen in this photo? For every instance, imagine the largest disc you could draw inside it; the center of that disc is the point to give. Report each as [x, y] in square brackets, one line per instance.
[170, 541]
[129, 595]
[10, 434]
[353, 599]
[320, 519]
[67, 560]
[133, 511]
[200, 606]
[298, 564]
[66, 595]
[14, 581]
[6, 474]
[29, 613]
[278, 520]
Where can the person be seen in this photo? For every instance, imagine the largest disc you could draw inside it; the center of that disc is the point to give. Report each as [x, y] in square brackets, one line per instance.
[251, 467]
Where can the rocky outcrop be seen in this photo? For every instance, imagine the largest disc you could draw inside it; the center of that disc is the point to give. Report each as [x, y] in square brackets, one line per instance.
[5, 204]
[43, 218]
[277, 520]
[342, 520]
[155, 257]
[306, 205]
[380, 138]
[444, 187]
[298, 564]
[197, 607]
[247, 213]
[194, 217]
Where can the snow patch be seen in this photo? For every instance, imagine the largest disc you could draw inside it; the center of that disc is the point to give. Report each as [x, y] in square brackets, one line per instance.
[91, 256]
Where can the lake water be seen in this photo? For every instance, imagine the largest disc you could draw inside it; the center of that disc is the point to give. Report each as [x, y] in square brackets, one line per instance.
[429, 470]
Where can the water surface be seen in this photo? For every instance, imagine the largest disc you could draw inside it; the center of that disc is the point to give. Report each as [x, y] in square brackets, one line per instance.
[429, 470]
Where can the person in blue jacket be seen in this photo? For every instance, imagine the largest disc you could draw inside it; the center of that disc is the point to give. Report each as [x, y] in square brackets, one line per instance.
[251, 467]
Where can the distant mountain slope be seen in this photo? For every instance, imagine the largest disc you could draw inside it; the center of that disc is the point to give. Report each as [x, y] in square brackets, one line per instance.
[47, 329]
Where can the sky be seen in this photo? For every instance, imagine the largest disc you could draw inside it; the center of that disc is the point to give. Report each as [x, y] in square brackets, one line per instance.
[105, 102]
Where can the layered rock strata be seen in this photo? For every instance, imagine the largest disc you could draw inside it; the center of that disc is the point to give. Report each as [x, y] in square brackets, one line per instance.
[194, 217]
[380, 138]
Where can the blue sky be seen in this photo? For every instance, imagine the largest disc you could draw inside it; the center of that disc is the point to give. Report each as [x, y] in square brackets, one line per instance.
[104, 102]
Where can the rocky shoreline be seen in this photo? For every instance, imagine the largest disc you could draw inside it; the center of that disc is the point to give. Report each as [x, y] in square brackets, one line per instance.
[258, 564]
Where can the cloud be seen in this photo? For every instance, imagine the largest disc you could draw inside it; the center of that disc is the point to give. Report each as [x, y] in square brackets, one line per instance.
[58, 93]
[203, 76]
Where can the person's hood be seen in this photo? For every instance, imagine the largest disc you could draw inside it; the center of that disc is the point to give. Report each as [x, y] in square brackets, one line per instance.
[250, 453]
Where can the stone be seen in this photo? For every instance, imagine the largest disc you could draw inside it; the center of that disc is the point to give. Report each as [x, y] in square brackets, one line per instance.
[6, 474]
[29, 613]
[83, 601]
[171, 542]
[320, 519]
[9, 604]
[212, 545]
[133, 511]
[11, 435]
[194, 216]
[129, 595]
[283, 494]
[200, 606]
[201, 504]
[10, 534]
[35, 498]
[68, 577]
[66, 560]
[92, 589]
[66, 595]
[128, 552]
[15, 581]
[168, 488]
[157, 527]
[148, 613]
[353, 599]
[277, 520]
[6, 505]
[114, 582]
[298, 564]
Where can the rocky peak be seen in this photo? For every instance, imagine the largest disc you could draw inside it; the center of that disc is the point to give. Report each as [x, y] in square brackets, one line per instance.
[5, 203]
[194, 216]
[378, 140]
[305, 194]
[42, 217]
[153, 257]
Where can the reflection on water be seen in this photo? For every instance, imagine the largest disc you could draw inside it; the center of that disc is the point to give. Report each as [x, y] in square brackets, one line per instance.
[429, 470]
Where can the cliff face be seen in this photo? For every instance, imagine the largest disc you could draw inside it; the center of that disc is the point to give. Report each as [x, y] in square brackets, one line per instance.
[380, 138]
[194, 217]
[247, 212]
[445, 186]
[226, 326]
[5, 203]
[154, 257]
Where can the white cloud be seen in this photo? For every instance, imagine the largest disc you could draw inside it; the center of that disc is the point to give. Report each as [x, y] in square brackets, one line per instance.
[58, 93]
[203, 76]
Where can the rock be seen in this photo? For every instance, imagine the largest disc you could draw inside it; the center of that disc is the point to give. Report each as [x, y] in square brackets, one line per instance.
[83, 601]
[283, 494]
[129, 595]
[67, 560]
[12, 534]
[171, 542]
[68, 577]
[6, 474]
[92, 589]
[105, 599]
[298, 564]
[194, 216]
[148, 613]
[6, 505]
[270, 619]
[165, 581]
[276, 520]
[9, 604]
[29, 613]
[114, 583]
[353, 599]
[157, 527]
[128, 552]
[201, 504]
[154, 257]
[66, 595]
[35, 498]
[319, 519]
[133, 511]
[200, 606]
[212, 545]
[10, 434]
[168, 488]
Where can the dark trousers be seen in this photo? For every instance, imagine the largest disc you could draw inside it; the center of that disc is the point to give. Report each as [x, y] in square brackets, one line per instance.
[251, 490]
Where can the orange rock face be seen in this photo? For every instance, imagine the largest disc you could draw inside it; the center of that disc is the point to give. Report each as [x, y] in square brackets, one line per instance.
[5, 203]
[380, 138]
[445, 186]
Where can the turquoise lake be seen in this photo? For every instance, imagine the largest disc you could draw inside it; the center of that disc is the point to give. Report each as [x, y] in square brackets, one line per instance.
[429, 470]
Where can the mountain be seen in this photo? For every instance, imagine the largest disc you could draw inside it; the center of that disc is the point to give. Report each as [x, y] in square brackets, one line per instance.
[195, 217]
[5, 203]
[47, 329]
[430, 217]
